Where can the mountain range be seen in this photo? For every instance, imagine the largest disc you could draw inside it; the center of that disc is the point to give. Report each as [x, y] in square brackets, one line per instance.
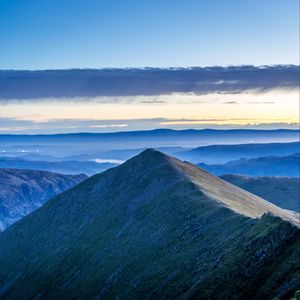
[261, 166]
[64, 167]
[79, 143]
[219, 154]
[23, 191]
[153, 227]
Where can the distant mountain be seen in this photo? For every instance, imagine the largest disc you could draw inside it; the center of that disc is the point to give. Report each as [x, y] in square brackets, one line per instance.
[152, 228]
[78, 143]
[63, 167]
[23, 191]
[219, 154]
[281, 191]
[262, 166]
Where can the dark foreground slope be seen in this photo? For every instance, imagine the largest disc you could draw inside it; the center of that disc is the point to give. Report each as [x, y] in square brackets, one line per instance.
[281, 191]
[152, 228]
[23, 191]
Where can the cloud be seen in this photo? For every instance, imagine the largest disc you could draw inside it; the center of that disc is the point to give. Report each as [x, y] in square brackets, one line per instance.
[199, 121]
[109, 83]
[12, 125]
[108, 126]
[231, 102]
[261, 102]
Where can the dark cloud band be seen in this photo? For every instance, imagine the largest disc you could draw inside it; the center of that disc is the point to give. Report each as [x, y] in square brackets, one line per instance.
[148, 81]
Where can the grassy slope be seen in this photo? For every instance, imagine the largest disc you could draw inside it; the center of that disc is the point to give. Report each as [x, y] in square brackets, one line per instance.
[142, 230]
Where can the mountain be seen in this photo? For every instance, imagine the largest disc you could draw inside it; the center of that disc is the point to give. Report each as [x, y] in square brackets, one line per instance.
[152, 228]
[23, 191]
[262, 166]
[219, 154]
[63, 167]
[281, 191]
[90, 143]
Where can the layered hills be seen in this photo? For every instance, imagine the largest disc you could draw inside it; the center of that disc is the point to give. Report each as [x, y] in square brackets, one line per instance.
[261, 166]
[70, 144]
[219, 154]
[153, 228]
[71, 167]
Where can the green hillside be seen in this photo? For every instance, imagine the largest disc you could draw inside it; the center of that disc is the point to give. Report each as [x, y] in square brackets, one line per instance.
[152, 228]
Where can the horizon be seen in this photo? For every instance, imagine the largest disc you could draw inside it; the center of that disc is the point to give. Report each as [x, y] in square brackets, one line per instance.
[151, 130]
[70, 68]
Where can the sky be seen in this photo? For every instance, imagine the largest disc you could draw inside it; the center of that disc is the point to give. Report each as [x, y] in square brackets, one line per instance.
[64, 34]
[47, 34]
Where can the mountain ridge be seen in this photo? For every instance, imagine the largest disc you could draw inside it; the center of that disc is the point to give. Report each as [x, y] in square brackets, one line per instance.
[157, 131]
[23, 191]
[144, 229]
[200, 178]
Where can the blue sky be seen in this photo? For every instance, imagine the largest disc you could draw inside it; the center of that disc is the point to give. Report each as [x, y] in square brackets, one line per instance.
[43, 34]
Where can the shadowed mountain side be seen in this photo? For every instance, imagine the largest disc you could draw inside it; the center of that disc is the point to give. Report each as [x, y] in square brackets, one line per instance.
[281, 191]
[23, 191]
[154, 227]
[262, 166]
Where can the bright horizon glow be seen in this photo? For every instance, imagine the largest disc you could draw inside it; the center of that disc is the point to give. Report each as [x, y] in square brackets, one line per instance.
[164, 111]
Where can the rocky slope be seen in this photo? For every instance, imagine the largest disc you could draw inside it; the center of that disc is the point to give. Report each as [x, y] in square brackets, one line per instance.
[281, 191]
[152, 228]
[23, 191]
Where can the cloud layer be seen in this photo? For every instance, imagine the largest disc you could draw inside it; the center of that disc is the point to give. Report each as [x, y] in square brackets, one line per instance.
[19, 85]
[15, 125]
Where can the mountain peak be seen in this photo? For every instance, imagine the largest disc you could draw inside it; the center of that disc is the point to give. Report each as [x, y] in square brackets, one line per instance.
[154, 226]
[150, 159]
[152, 153]
[218, 191]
